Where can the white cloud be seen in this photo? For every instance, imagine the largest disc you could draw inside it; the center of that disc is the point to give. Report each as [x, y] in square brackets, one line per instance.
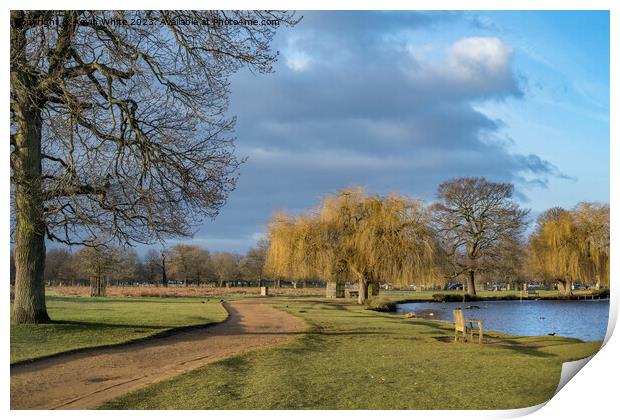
[297, 61]
[478, 59]
[475, 66]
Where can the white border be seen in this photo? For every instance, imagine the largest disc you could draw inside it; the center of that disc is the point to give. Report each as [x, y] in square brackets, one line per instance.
[592, 394]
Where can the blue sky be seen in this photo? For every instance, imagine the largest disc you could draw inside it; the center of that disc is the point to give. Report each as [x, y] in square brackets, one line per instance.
[400, 101]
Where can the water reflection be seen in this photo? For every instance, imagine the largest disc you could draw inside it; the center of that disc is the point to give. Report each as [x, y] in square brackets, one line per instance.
[583, 319]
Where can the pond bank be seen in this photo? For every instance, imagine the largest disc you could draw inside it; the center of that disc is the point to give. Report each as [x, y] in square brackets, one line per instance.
[457, 297]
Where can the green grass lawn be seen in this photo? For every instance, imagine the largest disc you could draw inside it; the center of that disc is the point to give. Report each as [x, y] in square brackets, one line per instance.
[82, 322]
[357, 359]
[428, 295]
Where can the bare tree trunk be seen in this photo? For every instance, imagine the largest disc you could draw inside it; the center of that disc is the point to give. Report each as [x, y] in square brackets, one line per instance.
[471, 285]
[362, 295]
[29, 305]
[277, 283]
[164, 277]
[98, 285]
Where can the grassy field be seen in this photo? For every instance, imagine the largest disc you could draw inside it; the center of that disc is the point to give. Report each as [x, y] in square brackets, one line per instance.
[428, 295]
[182, 291]
[81, 322]
[357, 359]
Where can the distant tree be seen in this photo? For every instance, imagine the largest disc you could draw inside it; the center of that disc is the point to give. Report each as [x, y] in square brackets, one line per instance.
[353, 235]
[127, 266]
[55, 260]
[180, 260]
[569, 246]
[121, 130]
[225, 266]
[152, 266]
[510, 265]
[202, 271]
[477, 222]
[252, 264]
[69, 271]
[191, 263]
[98, 264]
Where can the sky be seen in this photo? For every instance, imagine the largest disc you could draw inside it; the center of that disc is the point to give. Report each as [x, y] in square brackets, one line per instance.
[401, 101]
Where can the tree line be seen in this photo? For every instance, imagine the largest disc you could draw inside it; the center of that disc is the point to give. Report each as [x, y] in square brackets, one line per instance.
[474, 231]
[182, 264]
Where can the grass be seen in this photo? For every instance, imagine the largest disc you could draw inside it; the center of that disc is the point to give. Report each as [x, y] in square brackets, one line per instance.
[398, 295]
[354, 358]
[83, 322]
[182, 291]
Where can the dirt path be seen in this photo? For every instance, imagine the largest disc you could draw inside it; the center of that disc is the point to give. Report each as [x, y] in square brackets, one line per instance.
[88, 378]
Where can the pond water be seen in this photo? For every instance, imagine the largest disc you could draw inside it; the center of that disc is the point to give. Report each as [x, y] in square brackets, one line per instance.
[583, 319]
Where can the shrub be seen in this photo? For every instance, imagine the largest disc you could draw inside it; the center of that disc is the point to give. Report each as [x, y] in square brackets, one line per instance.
[602, 294]
[381, 305]
[441, 297]
[506, 297]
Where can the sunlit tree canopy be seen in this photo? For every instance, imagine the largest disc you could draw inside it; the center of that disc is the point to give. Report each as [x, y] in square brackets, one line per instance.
[570, 246]
[353, 235]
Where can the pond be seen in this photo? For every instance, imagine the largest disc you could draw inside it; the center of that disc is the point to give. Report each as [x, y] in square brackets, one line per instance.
[583, 319]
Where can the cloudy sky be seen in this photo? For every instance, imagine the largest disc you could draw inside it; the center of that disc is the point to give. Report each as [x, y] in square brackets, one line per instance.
[399, 101]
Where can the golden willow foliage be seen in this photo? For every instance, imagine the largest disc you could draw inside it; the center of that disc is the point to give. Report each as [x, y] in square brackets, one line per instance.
[355, 236]
[572, 245]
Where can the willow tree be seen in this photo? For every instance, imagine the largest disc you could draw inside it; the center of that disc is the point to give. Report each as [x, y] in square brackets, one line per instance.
[354, 235]
[593, 230]
[569, 246]
[119, 126]
[478, 223]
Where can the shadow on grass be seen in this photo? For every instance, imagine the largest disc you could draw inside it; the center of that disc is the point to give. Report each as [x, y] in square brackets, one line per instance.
[130, 299]
[87, 325]
[90, 350]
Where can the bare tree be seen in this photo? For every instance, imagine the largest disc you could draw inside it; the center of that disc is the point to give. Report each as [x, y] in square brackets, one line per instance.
[164, 273]
[478, 222]
[152, 266]
[252, 265]
[98, 264]
[127, 266]
[225, 266]
[55, 261]
[191, 263]
[119, 126]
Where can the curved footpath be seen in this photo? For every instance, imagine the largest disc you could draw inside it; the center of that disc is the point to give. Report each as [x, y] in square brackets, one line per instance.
[86, 379]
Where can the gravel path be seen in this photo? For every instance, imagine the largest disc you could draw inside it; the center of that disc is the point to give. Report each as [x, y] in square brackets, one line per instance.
[88, 378]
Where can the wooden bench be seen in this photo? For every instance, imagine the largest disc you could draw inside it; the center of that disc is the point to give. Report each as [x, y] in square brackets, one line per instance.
[460, 325]
[352, 293]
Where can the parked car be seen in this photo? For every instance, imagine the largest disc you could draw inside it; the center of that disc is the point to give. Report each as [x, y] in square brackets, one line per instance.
[453, 286]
